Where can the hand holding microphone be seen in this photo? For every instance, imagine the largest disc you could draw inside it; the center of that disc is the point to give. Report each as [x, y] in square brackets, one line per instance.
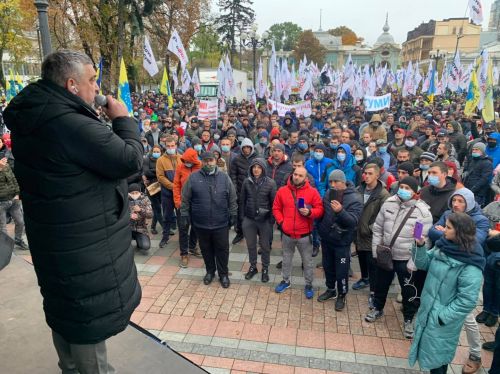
[111, 107]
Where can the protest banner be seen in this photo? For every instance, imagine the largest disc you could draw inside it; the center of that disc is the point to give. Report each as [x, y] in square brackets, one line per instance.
[375, 103]
[303, 107]
[208, 109]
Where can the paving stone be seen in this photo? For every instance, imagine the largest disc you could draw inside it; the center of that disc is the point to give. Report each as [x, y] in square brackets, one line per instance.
[198, 339]
[239, 354]
[294, 360]
[225, 342]
[172, 336]
[334, 365]
[252, 345]
[271, 358]
[206, 350]
[340, 356]
[401, 363]
[320, 363]
[216, 370]
[182, 347]
[281, 348]
[310, 352]
[362, 358]
[352, 367]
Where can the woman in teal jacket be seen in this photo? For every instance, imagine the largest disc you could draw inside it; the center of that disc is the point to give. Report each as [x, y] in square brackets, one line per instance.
[455, 272]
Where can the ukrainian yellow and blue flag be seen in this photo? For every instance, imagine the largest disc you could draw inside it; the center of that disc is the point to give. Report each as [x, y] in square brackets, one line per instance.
[98, 75]
[165, 88]
[473, 95]
[124, 89]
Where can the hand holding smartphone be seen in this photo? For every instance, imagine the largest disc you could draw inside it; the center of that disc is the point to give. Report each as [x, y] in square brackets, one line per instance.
[417, 232]
[301, 203]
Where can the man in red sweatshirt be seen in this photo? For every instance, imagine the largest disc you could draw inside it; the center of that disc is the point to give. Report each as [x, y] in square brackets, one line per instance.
[295, 208]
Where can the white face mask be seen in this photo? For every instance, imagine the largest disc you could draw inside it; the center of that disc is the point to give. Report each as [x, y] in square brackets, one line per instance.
[410, 143]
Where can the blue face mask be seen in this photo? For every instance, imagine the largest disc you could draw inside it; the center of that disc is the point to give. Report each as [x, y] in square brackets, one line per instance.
[404, 195]
[225, 148]
[382, 149]
[302, 146]
[476, 154]
[197, 147]
[433, 180]
[424, 167]
[318, 156]
[341, 157]
[156, 155]
[171, 151]
[333, 146]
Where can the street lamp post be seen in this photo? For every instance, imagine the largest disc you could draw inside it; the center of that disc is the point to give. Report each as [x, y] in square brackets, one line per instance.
[43, 22]
[252, 39]
[436, 56]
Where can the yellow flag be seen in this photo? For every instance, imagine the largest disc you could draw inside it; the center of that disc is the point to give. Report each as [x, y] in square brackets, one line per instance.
[123, 88]
[165, 88]
[488, 109]
[473, 95]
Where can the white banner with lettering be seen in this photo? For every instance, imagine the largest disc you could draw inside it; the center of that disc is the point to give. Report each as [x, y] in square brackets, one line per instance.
[149, 62]
[175, 46]
[304, 107]
[208, 109]
[375, 103]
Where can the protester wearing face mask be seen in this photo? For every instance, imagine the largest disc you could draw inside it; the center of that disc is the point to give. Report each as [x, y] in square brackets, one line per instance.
[439, 190]
[360, 157]
[226, 154]
[187, 238]
[148, 178]
[396, 220]
[140, 211]
[262, 143]
[209, 203]
[303, 147]
[426, 159]
[165, 172]
[382, 153]
[318, 163]
[493, 149]
[412, 147]
[343, 161]
[478, 174]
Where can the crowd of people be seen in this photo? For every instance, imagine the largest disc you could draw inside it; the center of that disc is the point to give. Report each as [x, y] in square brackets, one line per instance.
[343, 182]
[412, 191]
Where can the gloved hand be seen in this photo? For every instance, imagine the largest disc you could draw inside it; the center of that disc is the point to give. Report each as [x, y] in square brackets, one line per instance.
[232, 220]
[184, 222]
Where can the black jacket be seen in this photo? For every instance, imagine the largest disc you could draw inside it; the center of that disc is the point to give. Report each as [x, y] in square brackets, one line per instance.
[279, 173]
[149, 168]
[72, 172]
[239, 169]
[257, 195]
[478, 176]
[339, 229]
[437, 198]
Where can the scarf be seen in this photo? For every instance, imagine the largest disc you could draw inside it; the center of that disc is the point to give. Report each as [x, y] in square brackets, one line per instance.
[451, 249]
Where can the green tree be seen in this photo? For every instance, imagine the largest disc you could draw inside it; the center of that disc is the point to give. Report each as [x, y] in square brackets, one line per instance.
[349, 37]
[236, 17]
[206, 48]
[309, 45]
[284, 35]
[13, 19]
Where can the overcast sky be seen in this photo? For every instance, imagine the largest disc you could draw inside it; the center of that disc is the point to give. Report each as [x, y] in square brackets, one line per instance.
[365, 17]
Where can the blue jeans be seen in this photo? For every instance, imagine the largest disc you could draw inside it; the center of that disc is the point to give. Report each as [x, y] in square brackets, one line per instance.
[491, 286]
[167, 204]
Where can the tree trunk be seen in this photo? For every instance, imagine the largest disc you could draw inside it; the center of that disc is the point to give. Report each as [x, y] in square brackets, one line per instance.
[2, 76]
[121, 36]
[106, 72]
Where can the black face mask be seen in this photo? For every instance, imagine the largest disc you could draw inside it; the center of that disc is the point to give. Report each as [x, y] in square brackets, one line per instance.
[492, 144]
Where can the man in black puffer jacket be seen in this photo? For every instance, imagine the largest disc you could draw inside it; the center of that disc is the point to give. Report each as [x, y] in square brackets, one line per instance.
[478, 174]
[238, 173]
[257, 197]
[337, 229]
[72, 172]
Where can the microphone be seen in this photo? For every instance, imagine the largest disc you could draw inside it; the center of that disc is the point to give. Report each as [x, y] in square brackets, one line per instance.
[101, 100]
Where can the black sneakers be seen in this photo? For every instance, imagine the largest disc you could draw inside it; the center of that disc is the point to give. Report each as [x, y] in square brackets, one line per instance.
[21, 244]
[327, 295]
[340, 303]
[265, 275]
[251, 272]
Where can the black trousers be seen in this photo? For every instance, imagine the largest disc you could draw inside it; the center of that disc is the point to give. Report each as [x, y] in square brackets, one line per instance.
[214, 245]
[336, 262]
[156, 206]
[383, 282]
[167, 204]
[368, 267]
[441, 370]
[142, 240]
[187, 236]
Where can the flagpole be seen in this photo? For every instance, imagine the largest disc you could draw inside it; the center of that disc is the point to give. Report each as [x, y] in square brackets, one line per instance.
[460, 35]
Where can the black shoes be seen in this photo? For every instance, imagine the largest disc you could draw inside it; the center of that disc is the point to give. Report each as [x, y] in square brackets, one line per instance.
[279, 265]
[265, 275]
[21, 244]
[481, 317]
[208, 279]
[340, 303]
[315, 251]
[154, 231]
[486, 318]
[238, 238]
[163, 242]
[224, 281]
[251, 272]
[327, 295]
[489, 346]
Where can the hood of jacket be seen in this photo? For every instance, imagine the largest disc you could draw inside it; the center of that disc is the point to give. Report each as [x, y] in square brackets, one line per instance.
[451, 249]
[247, 143]
[261, 163]
[468, 195]
[215, 148]
[291, 186]
[191, 156]
[40, 102]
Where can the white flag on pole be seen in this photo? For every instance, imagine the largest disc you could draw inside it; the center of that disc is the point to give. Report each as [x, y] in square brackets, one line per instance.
[149, 62]
[186, 81]
[455, 73]
[173, 74]
[221, 77]
[195, 80]
[476, 11]
[175, 46]
[261, 87]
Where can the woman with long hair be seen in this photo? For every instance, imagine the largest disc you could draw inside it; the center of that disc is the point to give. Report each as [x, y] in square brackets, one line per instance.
[454, 275]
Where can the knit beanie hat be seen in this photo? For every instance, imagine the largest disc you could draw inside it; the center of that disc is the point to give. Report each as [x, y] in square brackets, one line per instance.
[279, 147]
[337, 176]
[134, 187]
[428, 156]
[406, 166]
[411, 182]
[481, 147]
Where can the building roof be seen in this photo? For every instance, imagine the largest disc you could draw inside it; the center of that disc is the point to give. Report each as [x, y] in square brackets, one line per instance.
[385, 37]
[327, 40]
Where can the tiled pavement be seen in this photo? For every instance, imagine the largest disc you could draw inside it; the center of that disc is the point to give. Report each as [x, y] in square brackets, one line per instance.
[248, 328]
